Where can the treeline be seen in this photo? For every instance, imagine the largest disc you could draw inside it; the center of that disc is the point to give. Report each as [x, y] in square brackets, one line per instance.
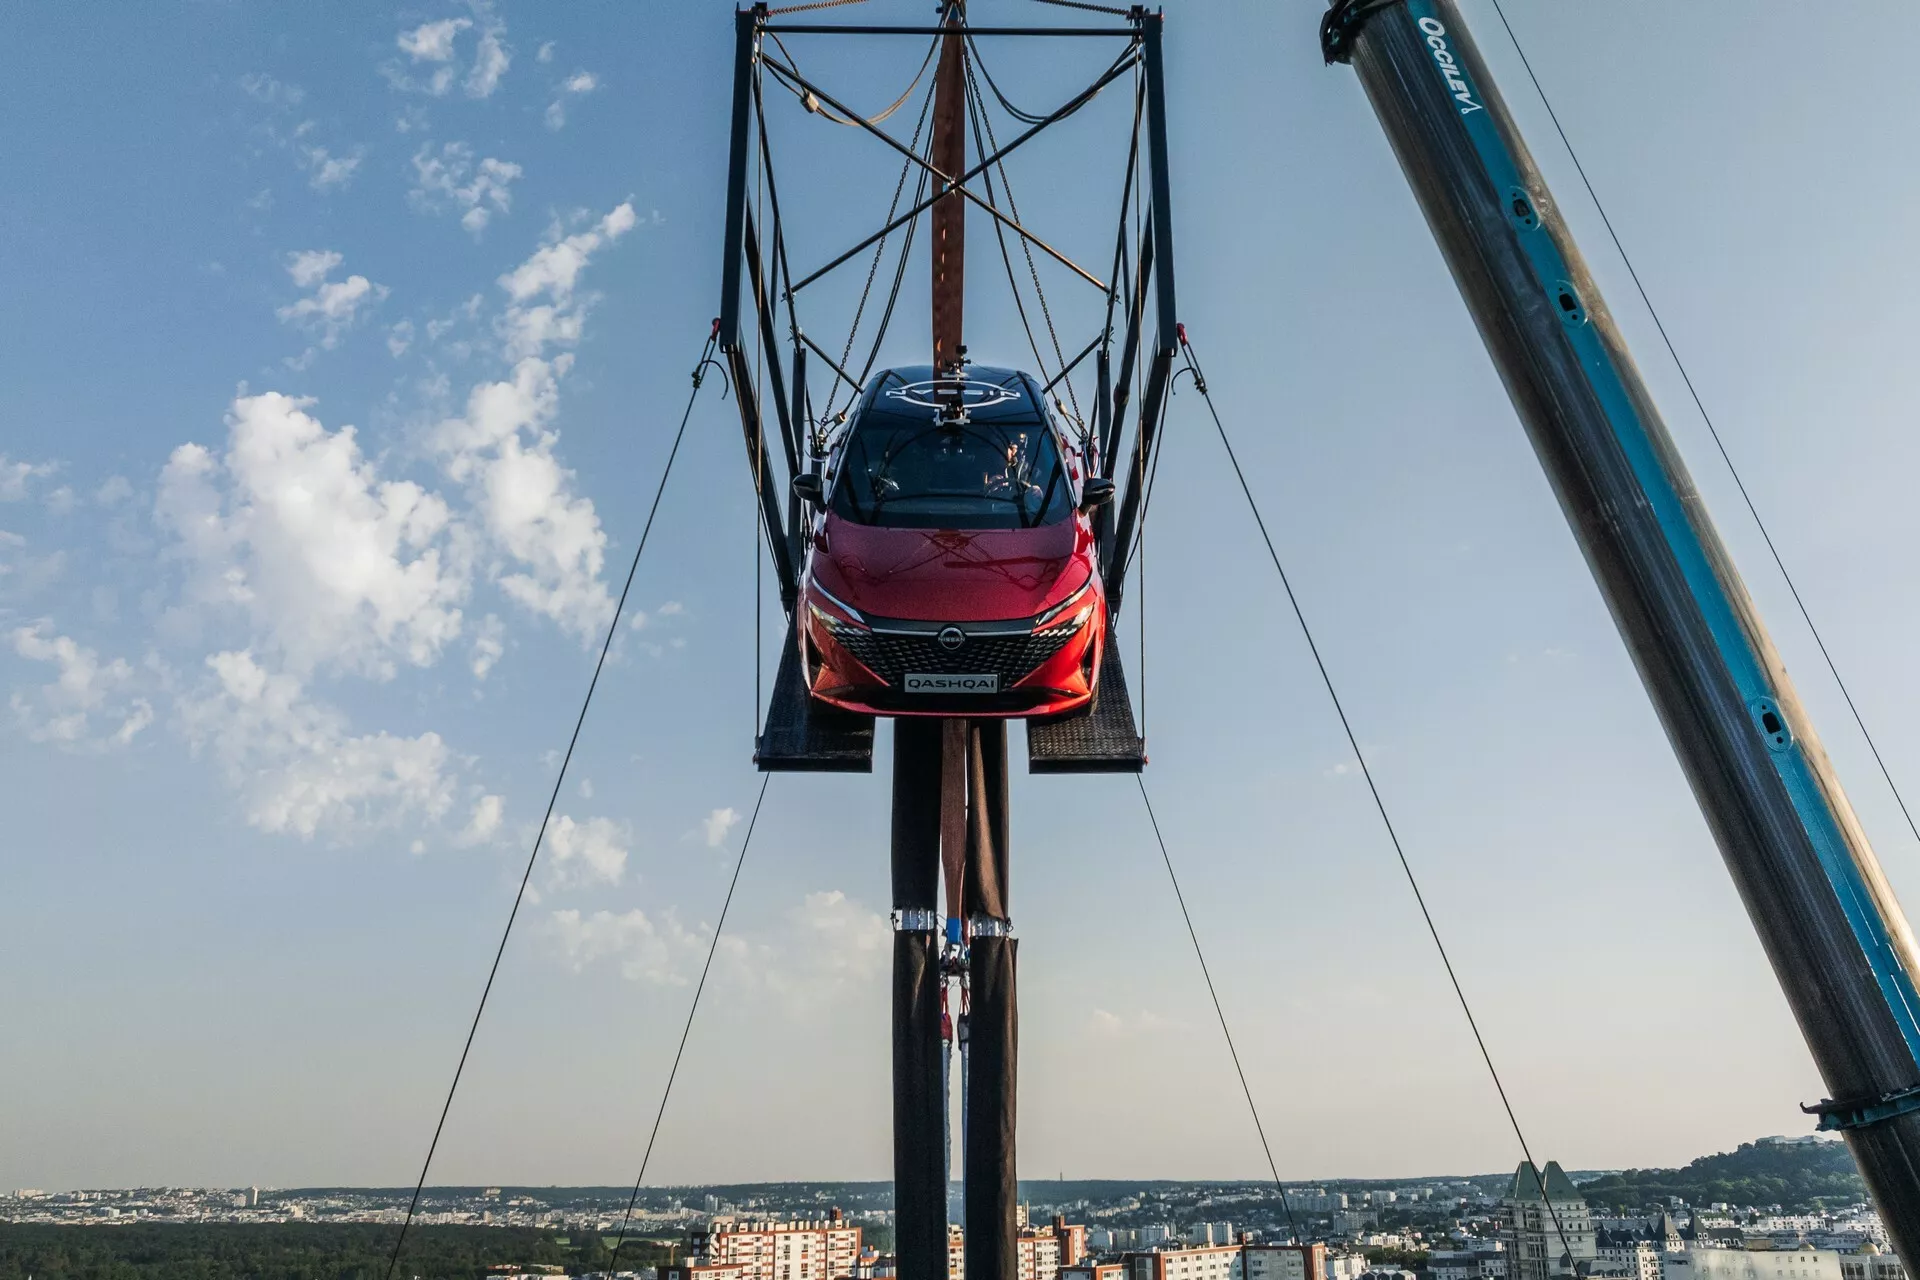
[1799, 1177]
[298, 1251]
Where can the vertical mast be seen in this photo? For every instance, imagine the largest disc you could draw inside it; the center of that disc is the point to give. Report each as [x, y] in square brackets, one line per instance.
[950, 210]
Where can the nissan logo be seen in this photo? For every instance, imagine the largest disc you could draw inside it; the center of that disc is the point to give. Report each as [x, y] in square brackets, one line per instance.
[951, 638]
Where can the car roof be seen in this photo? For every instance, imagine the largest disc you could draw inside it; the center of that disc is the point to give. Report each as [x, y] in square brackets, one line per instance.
[990, 393]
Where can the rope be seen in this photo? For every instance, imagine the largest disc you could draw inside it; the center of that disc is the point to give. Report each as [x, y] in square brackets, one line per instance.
[1040, 294]
[880, 249]
[815, 107]
[1024, 117]
[1366, 772]
[1082, 4]
[899, 272]
[706, 357]
[974, 113]
[1712, 431]
[1219, 1013]
[673, 1073]
[809, 8]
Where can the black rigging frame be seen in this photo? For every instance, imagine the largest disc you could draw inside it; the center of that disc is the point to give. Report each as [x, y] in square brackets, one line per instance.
[801, 734]
[950, 811]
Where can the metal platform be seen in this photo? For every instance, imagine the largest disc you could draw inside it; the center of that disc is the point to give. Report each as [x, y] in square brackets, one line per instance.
[803, 735]
[1100, 739]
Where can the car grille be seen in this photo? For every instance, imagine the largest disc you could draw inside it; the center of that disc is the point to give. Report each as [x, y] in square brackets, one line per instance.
[1010, 655]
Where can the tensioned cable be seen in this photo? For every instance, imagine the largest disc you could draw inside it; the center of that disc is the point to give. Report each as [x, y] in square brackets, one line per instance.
[1712, 431]
[814, 105]
[1026, 247]
[808, 8]
[1090, 8]
[666, 1093]
[1220, 1013]
[880, 249]
[899, 271]
[974, 106]
[613, 628]
[1379, 804]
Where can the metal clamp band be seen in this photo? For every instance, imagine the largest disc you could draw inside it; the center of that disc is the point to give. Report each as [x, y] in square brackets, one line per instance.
[916, 920]
[1858, 1113]
[990, 927]
[1342, 22]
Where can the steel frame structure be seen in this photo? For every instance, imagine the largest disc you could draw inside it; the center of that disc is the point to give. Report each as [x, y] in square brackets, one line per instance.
[754, 281]
[949, 776]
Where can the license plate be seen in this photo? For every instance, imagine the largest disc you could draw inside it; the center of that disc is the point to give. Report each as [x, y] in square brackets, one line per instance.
[917, 682]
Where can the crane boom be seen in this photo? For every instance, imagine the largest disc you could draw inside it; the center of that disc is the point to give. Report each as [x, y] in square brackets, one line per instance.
[1838, 941]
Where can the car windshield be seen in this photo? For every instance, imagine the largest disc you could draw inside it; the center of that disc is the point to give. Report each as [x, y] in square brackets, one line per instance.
[912, 471]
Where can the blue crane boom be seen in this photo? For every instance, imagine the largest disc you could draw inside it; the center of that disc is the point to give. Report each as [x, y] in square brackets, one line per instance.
[1838, 941]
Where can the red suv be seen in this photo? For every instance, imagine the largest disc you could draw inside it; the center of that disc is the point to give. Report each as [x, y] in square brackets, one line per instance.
[953, 568]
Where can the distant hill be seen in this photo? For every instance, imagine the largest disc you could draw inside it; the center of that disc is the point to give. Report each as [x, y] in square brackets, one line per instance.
[1799, 1177]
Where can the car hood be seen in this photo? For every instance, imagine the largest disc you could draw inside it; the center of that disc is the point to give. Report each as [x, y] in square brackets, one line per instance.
[948, 575]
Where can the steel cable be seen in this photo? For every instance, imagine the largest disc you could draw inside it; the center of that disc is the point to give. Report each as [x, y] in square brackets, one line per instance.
[1373, 788]
[1713, 431]
[1026, 247]
[674, 1072]
[1285, 1204]
[815, 107]
[613, 627]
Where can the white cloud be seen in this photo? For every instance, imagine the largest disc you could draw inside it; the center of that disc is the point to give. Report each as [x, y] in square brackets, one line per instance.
[555, 268]
[662, 954]
[332, 307]
[502, 451]
[489, 646]
[824, 944]
[326, 171]
[294, 529]
[452, 178]
[490, 62]
[113, 491]
[484, 824]
[434, 49]
[544, 311]
[546, 53]
[577, 85]
[432, 41]
[15, 477]
[295, 762]
[714, 829]
[502, 448]
[590, 852]
[84, 693]
[275, 93]
[836, 938]
[399, 338]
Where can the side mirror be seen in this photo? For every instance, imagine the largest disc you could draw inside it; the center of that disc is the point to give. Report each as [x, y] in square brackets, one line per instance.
[807, 486]
[1096, 491]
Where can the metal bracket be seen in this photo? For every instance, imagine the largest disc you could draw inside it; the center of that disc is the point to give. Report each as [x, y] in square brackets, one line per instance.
[916, 920]
[1858, 1113]
[989, 927]
[1342, 21]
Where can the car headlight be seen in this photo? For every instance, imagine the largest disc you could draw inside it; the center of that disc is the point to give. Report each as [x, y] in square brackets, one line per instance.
[1060, 610]
[854, 618]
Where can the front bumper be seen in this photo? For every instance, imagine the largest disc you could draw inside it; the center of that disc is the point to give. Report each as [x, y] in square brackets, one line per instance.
[1040, 671]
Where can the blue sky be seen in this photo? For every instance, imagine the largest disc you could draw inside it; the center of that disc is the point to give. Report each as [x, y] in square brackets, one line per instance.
[340, 357]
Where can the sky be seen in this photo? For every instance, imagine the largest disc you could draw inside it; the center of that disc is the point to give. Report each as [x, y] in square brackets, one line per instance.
[340, 357]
